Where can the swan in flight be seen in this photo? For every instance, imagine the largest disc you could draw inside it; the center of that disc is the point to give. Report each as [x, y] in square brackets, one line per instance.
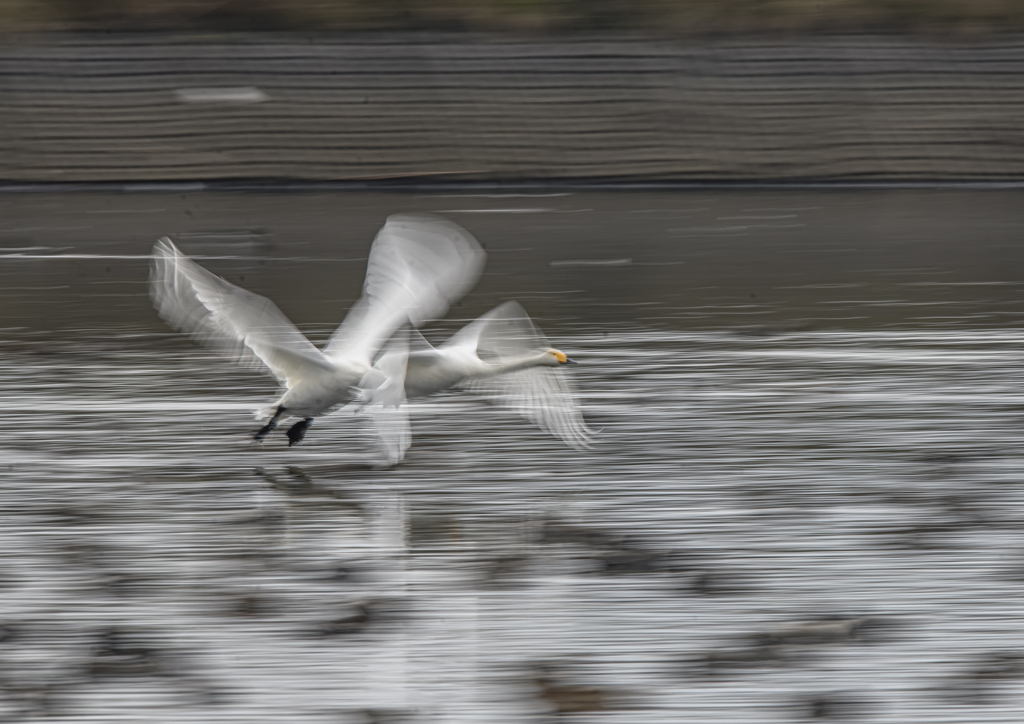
[505, 358]
[418, 266]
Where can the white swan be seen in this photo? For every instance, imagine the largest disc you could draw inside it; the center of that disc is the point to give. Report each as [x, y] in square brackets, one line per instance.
[418, 266]
[503, 356]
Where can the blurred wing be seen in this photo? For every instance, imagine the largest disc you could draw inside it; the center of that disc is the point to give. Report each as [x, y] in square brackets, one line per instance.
[386, 402]
[505, 331]
[244, 326]
[418, 266]
[542, 395]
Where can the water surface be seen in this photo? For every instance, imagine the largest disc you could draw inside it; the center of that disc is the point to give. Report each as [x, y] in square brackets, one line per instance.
[810, 407]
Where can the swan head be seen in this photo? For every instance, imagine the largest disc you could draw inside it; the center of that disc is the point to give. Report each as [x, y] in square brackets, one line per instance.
[555, 358]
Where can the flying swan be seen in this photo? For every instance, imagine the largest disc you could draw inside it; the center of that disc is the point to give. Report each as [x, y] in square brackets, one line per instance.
[506, 359]
[418, 266]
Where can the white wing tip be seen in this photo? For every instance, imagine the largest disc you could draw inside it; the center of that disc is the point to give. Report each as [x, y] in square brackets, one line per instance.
[581, 439]
[165, 247]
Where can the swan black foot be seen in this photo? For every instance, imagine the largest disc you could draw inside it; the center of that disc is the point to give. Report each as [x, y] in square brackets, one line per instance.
[269, 427]
[298, 431]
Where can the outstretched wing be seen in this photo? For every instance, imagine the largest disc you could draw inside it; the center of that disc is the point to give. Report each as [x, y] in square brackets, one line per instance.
[505, 331]
[244, 326]
[543, 395]
[418, 266]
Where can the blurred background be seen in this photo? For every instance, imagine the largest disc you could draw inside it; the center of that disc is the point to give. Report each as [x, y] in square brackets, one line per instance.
[919, 90]
[662, 16]
[782, 239]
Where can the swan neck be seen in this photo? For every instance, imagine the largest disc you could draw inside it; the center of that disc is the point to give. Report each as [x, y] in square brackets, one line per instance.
[521, 363]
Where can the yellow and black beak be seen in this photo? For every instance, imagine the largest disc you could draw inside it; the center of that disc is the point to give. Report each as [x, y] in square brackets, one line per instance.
[569, 361]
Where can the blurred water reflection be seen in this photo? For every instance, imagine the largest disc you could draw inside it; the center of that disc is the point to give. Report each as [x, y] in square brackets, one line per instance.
[809, 516]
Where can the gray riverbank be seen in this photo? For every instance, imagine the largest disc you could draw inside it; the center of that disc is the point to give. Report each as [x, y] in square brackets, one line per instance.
[860, 108]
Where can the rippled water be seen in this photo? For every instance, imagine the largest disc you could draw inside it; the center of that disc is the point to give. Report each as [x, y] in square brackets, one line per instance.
[810, 416]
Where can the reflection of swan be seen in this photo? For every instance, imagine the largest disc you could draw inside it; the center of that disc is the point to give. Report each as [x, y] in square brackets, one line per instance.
[504, 357]
[418, 266]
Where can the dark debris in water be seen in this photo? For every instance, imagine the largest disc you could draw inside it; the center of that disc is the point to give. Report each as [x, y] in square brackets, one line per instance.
[793, 642]
[362, 616]
[982, 681]
[120, 654]
[833, 706]
[505, 570]
[738, 658]
[614, 554]
[379, 716]
[555, 687]
[828, 630]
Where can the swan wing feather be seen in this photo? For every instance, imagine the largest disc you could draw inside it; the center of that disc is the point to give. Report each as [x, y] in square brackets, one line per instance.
[243, 326]
[504, 332]
[418, 266]
[542, 395]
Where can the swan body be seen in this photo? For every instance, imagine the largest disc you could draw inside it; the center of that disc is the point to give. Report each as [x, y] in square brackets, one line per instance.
[418, 266]
[503, 356]
[430, 371]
